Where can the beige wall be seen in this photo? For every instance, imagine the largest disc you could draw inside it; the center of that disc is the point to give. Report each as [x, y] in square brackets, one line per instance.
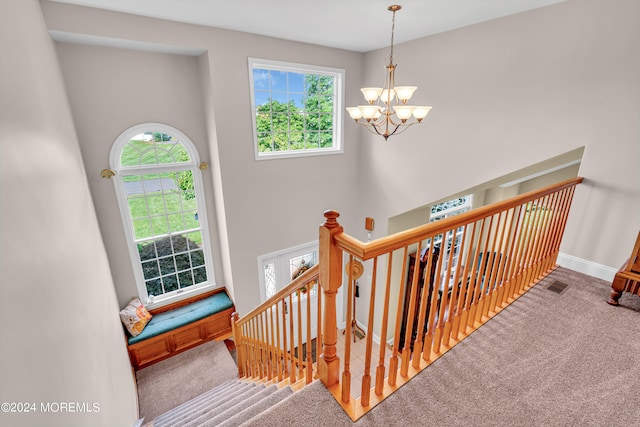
[61, 335]
[259, 206]
[506, 94]
[513, 92]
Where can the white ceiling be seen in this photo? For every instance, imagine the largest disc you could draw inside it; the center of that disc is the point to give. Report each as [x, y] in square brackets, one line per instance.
[357, 25]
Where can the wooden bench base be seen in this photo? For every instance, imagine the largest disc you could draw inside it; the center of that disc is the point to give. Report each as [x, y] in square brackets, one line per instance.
[165, 345]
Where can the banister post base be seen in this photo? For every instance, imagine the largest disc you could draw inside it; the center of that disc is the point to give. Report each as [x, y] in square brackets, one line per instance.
[328, 371]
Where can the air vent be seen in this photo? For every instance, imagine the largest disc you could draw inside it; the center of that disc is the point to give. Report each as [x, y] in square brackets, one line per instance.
[558, 287]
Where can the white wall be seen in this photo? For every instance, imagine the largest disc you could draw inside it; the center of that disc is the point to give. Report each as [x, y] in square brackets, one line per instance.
[62, 340]
[516, 91]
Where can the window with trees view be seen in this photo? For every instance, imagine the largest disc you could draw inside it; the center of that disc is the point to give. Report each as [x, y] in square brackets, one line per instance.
[296, 108]
[159, 189]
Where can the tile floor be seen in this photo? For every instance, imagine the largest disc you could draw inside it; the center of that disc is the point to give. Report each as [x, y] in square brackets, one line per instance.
[357, 361]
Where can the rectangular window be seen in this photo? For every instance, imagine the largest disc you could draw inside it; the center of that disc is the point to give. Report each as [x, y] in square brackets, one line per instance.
[296, 109]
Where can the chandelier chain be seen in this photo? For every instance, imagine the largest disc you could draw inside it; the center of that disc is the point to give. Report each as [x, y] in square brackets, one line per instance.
[393, 30]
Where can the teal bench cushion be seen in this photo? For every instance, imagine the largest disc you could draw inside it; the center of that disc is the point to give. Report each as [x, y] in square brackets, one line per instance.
[172, 319]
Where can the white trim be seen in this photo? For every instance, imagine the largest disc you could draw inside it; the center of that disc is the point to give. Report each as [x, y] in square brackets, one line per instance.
[339, 76]
[586, 267]
[537, 174]
[273, 256]
[192, 165]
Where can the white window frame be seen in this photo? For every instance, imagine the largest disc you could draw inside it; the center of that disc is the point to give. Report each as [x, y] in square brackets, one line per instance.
[121, 195]
[444, 255]
[338, 114]
[277, 258]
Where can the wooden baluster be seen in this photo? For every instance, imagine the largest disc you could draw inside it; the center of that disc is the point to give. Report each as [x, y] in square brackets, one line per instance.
[318, 326]
[547, 235]
[260, 340]
[434, 288]
[383, 331]
[529, 256]
[493, 256]
[408, 335]
[254, 349]
[442, 296]
[476, 277]
[273, 361]
[462, 270]
[444, 299]
[366, 377]
[422, 306]
[467, 285]
[279, 352]
[520, 250]
[285, 349]
[482, 274]
[330, 280]
[454, 302]
[505, 249]
[567, 197]
[547, 224]
[309, 362]
[393, 362]
[346, 373]
[299, 356]
[293, 374]
[560, 207]
[236, 332]
[538, 237]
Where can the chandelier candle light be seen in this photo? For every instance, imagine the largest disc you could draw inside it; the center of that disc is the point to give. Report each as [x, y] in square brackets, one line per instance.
[382, 115]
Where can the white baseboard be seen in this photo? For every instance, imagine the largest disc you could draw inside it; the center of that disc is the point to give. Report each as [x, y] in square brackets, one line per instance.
[586, 267]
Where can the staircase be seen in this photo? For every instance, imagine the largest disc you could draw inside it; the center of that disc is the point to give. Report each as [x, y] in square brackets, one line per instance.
[230, 404]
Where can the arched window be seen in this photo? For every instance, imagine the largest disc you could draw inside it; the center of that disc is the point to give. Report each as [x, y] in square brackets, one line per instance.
[159, 188]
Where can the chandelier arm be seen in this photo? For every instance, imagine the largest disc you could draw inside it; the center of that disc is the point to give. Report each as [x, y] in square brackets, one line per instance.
[381, 121]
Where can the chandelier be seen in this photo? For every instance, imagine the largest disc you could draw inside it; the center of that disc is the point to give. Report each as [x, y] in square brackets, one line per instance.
[387, 112]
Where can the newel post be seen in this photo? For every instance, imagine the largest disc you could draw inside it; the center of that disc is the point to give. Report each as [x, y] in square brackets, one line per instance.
[238, 340]
[330, 280]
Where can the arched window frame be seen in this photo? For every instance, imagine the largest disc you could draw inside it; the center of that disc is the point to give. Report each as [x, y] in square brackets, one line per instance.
[122, 171]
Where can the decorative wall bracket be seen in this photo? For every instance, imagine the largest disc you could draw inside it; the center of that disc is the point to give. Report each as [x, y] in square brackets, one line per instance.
[107, 173]
[356, 269]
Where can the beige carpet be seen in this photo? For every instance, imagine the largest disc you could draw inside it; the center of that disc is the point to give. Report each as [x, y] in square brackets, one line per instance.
[171, 382]
[549, 359]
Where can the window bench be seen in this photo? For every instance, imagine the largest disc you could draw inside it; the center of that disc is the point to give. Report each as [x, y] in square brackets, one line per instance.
[180, 326]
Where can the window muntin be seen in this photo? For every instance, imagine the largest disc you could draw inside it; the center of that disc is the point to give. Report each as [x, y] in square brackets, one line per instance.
[296, 109]
[160, 195]
[278, 269]
[447, 209]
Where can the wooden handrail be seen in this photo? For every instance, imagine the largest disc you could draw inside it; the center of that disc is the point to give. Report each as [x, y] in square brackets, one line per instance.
[368, 250]
[308, 276]
[501, 250]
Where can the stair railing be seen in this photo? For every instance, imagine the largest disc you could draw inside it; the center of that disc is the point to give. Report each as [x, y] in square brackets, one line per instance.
[465, 269]
[275, 341]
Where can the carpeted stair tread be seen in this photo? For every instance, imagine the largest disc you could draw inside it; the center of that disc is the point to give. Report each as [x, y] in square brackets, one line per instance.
[257, 408]
[167, 419]
[239, 405]
[183, 414]
[225, 388]
[208, 408]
